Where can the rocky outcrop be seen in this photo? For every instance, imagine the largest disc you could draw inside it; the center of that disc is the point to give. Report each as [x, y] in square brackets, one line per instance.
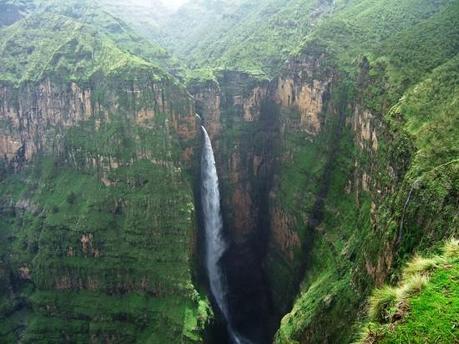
[208, 106]
[35, 117]
[302, 87]
[227, 107]
[306, 99]
[365, 126]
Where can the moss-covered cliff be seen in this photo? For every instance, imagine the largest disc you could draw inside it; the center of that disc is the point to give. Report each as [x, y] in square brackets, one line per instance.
[97, 214]
[354, 180]
[336, 166]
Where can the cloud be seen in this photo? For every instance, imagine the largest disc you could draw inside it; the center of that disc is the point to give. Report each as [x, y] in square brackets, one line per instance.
[172, 4]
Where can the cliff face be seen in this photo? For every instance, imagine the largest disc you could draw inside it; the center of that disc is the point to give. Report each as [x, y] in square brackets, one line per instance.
[308, 118]
[29, 112]
[232, 112]
[325, 198]
[301, 88]
[377, 205]
[243, 117]
[96, 248]
[252, 123]
[34, 116]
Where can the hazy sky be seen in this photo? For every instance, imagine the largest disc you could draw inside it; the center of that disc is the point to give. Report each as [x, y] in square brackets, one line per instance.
[169, 3]
[174, 3]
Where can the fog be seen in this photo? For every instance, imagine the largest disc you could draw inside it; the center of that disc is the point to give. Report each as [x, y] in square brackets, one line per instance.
[172, 4]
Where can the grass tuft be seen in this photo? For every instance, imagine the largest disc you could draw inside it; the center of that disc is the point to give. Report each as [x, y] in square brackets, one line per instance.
[411, 286]
[419, 265]
[381, 302]
[451, 249]
[427, 290]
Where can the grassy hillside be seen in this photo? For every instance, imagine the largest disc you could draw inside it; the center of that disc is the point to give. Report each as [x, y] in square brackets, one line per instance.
[76, 40]
[423, 307]
[259, 36]
[401, 61]
[51, 44]
[245, 35]
[98, 14]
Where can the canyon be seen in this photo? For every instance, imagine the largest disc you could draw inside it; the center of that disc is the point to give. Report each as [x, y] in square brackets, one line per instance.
[336, 164]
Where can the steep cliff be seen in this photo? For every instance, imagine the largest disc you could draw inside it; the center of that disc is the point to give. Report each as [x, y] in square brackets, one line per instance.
[335, 132]
[386, 183]
[98, 222]
[351, 183]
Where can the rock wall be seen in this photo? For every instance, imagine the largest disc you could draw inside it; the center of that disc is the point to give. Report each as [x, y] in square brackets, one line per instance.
[88, 221]
[249, 121]
[35, 117]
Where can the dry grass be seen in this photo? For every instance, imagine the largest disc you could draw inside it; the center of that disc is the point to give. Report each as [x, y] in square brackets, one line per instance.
[451, 249]
[389, 305]
[380, 303]
[411, 286]
[420, 265]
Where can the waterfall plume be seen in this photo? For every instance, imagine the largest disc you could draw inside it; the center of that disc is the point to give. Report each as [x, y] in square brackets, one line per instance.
[215, 245]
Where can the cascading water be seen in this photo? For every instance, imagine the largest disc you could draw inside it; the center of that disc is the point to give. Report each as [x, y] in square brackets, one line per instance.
[213, 227]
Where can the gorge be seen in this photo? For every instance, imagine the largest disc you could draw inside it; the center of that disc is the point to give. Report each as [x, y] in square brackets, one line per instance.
[213, 226]
[315, 199]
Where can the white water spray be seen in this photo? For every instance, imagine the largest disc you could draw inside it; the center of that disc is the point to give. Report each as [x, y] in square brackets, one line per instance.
[213, 227]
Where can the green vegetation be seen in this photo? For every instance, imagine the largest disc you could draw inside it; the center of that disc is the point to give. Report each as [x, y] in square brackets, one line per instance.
[249, 36]
[104, 260]
[50, 44]
[423, 308]
[93, 247]
[97, 16]
[76, 40]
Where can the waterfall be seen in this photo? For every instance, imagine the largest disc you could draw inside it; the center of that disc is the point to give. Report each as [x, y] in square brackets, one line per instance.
[213, 227]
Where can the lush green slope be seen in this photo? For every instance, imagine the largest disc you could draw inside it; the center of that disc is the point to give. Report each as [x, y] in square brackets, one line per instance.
[255, 36]
[423, 308]
[260, 36]
[77, 40]
[245, 35]
[145, 17]
[50, 44]
[408, 80]
[98, 16]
